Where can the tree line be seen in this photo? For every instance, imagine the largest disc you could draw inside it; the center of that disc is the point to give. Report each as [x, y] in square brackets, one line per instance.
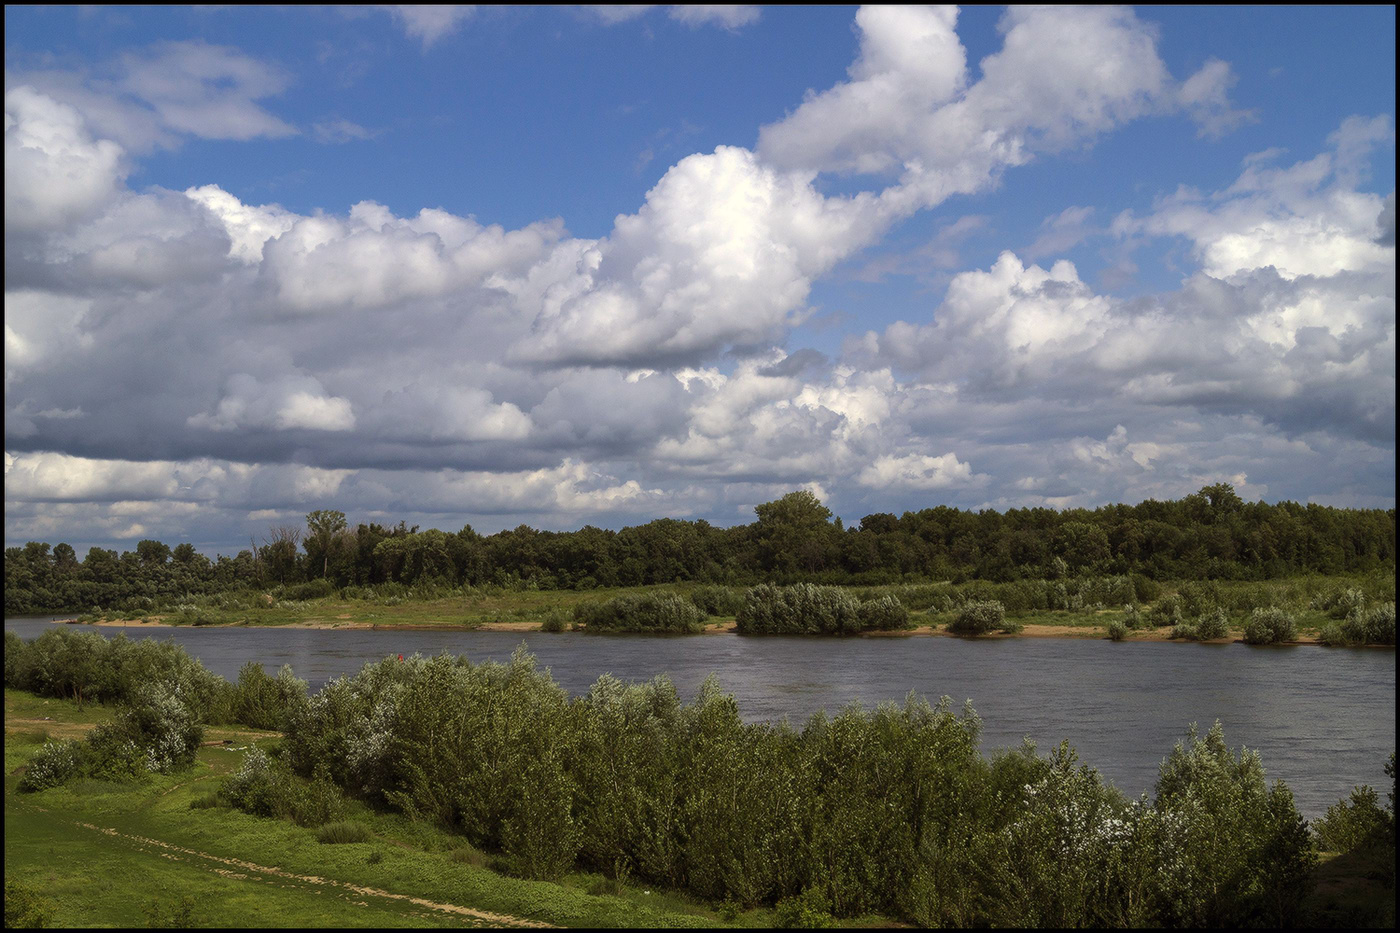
[1211, 534]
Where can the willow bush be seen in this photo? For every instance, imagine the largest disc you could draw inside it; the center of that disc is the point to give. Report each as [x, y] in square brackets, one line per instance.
[807, 609]
[891, 810]
[647, 612]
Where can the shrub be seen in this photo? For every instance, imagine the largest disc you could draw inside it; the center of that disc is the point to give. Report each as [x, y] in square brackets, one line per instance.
[1199, 597]
[648, 612]
[978, 618]
[1167, 611]
[265, 787]
[1228, 850]
[884, 614]
[156, 733]
[1118, 630]
[1348, 601]
[803, 609]
[315, 589]
[1350, 824]
[717, 600]
[1133, 617]
[1186, 630]
[26, 908]
[554, 621]
[1212, 625]
[1380, 624]
[114, 754]
[254, 787]
[261, 701]
[54, 764]
[1331, 635]
[343, 833]
[1144, 588]
[1375, 626]
[807, 911]
[1269, 626]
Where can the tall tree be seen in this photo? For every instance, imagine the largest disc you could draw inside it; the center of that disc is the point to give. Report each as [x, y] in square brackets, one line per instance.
[322, 526]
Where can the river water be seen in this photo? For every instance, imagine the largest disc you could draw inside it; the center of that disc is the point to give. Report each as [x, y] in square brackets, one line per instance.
[1322, 719]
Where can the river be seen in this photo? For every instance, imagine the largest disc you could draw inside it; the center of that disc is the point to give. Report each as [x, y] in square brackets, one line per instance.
[1322, 719]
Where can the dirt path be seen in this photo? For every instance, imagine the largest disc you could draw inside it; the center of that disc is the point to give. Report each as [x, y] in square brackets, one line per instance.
[240, 870]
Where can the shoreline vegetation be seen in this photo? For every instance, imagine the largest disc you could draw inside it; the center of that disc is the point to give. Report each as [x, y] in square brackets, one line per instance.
[484, 790]
[1351, 611]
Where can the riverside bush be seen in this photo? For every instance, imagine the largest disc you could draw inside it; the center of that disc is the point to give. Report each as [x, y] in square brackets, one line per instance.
[87, 666]
[1269, 626]
[807, 609]
[1229, 850]
[263, 786]
[1118, 630]
[261, 701]
[1347, 602]
[1377, 624]
[55, 763]
[1351, 823]
[1212, 624]
[803, 609]
[1167, 611]
[1187, 630]
[979, 618]
[1374, 626]
[156, 733]
[860, 812]
[641, 613]
[717, 600]
[885, 614]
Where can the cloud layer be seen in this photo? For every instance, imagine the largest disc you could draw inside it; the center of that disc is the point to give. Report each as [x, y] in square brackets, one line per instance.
[183, 362]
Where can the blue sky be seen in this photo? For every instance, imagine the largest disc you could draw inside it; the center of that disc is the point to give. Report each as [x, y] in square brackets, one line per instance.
[993, 258]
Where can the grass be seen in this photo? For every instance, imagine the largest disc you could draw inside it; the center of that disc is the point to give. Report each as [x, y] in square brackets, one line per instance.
[109, 854]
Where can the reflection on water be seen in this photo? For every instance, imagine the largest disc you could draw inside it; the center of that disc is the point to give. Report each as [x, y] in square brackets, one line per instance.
[1322, 719]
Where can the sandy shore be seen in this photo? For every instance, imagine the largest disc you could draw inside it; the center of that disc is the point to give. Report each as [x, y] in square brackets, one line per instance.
[1031, 630]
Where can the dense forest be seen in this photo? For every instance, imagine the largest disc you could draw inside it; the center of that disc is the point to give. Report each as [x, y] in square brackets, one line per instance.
[1212, 534]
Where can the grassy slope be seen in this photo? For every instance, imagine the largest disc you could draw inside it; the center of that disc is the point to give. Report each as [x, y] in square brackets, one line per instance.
[110, 875]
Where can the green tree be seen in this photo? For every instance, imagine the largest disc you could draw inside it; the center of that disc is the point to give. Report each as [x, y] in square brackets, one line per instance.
[795, 534]
[322, 527]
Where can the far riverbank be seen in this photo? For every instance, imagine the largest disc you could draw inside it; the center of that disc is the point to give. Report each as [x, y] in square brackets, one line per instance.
[1089, 630]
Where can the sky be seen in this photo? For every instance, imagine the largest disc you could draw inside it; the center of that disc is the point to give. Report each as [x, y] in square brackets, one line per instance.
[599, 265]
